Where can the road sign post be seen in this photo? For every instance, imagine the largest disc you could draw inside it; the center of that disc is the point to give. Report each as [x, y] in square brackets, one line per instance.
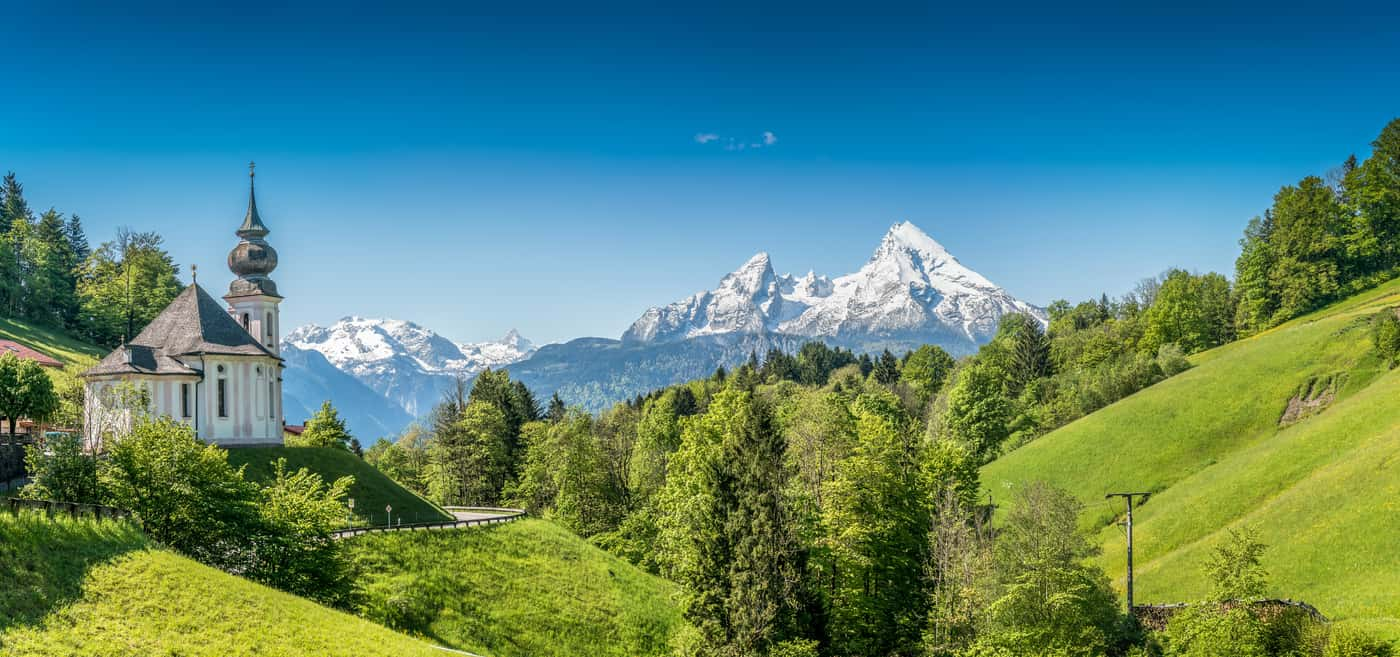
[388, 515]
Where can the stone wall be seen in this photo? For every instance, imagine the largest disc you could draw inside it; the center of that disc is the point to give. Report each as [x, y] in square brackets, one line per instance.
[11, 461]
[1155, 617]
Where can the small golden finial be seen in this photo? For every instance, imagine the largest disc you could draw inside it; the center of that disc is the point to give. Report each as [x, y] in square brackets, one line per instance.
[194, 274]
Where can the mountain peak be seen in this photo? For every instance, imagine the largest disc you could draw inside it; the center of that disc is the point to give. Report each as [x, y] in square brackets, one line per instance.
[760, 261]
[912, 288]
[751, 277]
[907, 235]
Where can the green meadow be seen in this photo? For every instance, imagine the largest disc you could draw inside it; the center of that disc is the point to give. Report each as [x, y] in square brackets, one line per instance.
[1212, 446]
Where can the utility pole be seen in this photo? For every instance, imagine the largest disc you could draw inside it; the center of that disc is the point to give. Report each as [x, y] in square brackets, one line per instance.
[1129, 523]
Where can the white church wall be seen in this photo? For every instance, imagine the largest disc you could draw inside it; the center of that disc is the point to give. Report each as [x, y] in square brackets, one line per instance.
[250, 413]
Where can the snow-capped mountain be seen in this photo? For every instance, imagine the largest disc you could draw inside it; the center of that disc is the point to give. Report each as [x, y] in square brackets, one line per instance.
[405, 362]
[911, 290]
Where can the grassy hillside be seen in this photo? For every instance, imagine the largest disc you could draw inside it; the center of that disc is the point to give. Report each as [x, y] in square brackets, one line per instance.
[523, 588]
[51, 342]
[83, 587]
[371, 492]
[1210, 445]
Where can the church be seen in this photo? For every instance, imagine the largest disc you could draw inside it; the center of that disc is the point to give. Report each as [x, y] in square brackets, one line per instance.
[215, 367]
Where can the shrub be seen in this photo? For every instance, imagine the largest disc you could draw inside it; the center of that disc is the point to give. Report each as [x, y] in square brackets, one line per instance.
[1345, 641]
[1210, 630]
[1385, 335]
[399, 602]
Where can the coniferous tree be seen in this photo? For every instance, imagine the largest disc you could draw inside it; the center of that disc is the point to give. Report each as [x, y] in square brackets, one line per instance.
[557, 408]
[50, 295]
[728, 530]
[77, 238]
[886, 370]
[15, 218]
[1030, 353]
[467, 459]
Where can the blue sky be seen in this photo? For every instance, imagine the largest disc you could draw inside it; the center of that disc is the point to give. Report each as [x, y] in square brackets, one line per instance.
[475, 171]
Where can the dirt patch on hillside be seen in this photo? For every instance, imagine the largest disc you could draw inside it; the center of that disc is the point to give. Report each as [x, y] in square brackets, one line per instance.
[1314, 395]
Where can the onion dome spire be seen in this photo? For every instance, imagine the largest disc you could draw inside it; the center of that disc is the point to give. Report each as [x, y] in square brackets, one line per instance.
[252, 223]
[253, 258]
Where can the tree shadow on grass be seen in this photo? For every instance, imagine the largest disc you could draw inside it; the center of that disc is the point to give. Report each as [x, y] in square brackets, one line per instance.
[45, 560]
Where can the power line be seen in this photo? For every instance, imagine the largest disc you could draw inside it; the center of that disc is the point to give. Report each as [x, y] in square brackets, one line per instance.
[1129, 497]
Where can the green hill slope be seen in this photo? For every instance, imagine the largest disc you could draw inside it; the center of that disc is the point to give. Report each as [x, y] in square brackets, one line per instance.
[1210, 445]
[523, 588]
[51, 342]
[83, 587]
[372, 490]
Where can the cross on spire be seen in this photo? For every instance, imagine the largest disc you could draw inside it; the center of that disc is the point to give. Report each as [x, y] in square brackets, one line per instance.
[251, 165]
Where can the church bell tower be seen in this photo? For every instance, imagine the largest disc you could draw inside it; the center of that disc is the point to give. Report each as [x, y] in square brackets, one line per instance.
[252, 297]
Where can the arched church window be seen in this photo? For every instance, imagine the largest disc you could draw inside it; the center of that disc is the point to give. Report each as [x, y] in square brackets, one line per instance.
[267, 329]
[246, 321]
[221, 393]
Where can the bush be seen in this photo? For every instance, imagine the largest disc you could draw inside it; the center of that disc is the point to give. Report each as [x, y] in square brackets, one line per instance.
[1210, 630]
[60, 470]
[1385, 335]
[1172, 359]
[399, 602]
[1345, 641]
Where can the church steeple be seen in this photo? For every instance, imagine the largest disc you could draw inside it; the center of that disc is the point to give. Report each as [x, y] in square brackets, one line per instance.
[252, 298]
[252, 224]
[253, 259]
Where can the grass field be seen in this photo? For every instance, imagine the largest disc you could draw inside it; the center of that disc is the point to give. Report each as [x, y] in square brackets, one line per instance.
[523, 588]
[84, 587]
[1209, 445]
[51, 342]
[372, 490]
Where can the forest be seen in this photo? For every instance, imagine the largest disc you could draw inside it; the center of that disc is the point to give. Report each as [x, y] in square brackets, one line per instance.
[827, 503]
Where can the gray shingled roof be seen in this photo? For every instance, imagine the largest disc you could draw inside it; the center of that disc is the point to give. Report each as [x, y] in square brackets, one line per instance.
[194, 323]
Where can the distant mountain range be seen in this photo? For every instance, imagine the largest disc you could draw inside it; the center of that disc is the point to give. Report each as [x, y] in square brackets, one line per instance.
[911, 292]
[390, 371]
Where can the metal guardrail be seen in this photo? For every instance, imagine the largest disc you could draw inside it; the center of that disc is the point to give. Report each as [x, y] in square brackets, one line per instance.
[72, 509]
[508, 515]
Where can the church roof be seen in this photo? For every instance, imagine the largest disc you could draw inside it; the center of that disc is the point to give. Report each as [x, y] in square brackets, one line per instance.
[194, 323]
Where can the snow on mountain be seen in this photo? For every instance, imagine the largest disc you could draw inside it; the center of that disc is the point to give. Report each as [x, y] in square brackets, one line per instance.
[403, 361]
[911, 289]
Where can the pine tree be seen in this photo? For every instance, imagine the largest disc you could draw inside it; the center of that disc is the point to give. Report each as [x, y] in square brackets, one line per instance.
[77, 238]
[1030, 354]
[467, 459]
[727, 531]
[886, 370]
[15, 219]
[50, 296]
[557, 408]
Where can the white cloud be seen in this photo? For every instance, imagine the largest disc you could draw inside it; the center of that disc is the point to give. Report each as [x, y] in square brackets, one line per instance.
[766, 139]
